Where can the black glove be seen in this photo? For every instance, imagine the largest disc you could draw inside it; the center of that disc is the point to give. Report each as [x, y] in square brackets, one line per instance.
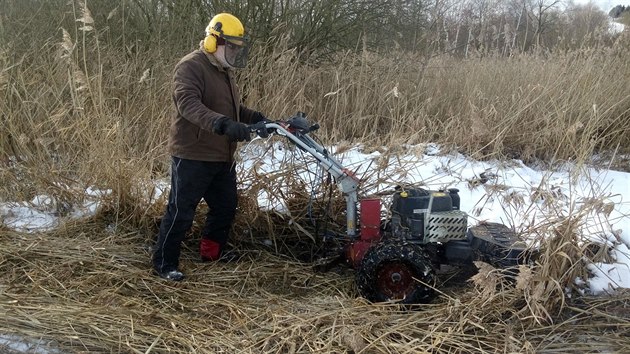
[259, 117]
[236, 131]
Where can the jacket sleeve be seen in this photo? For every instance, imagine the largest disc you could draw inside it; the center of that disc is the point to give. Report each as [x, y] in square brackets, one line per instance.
[187, 94]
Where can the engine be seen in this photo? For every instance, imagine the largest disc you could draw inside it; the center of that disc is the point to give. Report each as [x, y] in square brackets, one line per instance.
[424, 216]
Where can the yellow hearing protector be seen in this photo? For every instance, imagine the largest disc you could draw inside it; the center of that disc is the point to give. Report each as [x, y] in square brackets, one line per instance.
[210, 43]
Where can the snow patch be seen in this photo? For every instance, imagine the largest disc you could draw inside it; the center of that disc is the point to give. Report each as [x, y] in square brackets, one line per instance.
[25, 345]
[616, 27]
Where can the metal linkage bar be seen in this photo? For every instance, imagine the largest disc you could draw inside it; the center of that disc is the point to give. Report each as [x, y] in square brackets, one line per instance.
[347, 181]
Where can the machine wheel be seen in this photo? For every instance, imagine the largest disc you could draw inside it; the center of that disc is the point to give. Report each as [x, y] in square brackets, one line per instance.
[396, 272]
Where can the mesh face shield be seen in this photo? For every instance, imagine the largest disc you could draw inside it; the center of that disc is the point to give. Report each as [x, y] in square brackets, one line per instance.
[236, 50]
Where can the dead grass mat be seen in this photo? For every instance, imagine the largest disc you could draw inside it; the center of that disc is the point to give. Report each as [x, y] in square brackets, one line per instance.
[85, 289]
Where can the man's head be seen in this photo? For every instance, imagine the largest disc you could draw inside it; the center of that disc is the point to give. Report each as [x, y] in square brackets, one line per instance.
[226, 39]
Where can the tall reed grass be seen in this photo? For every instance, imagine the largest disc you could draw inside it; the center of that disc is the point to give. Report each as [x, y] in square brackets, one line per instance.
[77, 111]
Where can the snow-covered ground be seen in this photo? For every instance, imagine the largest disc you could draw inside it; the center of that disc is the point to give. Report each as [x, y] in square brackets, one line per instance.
[615, 27]
[508, 192]
[42, 212]
[20, 344]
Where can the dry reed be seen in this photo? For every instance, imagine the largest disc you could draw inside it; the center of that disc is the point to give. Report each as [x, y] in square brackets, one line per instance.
[83, 288]
[90, 116]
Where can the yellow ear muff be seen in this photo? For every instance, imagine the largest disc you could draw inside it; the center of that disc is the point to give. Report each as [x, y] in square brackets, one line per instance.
[210, 44]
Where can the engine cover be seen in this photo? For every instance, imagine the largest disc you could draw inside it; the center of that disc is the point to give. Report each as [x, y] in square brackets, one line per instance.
[446, 226]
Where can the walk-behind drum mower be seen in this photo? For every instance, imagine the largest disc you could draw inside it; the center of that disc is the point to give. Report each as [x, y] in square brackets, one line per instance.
[396, 259]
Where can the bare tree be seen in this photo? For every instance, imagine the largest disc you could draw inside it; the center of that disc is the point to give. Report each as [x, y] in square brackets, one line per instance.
[584, 23]
[541, 15]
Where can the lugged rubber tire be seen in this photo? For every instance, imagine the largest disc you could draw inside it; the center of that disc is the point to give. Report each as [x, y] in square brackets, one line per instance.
[396, 272]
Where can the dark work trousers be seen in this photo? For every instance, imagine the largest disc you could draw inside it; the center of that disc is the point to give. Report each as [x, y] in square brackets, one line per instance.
[191, 180]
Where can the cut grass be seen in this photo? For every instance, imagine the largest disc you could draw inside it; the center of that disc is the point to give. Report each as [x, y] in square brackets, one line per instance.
[83, 288]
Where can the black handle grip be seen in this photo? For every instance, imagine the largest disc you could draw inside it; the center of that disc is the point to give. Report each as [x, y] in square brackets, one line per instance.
[254, 127]
[260, 129]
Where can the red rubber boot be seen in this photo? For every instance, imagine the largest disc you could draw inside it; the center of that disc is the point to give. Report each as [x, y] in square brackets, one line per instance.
[209, 250]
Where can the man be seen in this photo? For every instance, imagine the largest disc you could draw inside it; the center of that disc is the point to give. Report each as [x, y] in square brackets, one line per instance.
[210, 120]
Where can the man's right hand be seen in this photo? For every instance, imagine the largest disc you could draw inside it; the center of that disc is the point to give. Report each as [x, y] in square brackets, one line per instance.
[236, 131]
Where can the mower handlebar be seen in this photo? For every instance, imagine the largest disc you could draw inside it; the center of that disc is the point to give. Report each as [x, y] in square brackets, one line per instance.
[264, 128]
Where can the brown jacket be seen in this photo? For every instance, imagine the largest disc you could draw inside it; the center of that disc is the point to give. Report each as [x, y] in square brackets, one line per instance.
[204, 93]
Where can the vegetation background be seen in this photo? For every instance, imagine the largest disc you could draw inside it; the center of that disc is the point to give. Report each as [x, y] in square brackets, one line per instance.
[86, 86]
[85, 102]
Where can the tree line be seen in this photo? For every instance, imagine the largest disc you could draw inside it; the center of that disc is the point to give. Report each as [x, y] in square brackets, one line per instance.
[621, 14]
[319, 28]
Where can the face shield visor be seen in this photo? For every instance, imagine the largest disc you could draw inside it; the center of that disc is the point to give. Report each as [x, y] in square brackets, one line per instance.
[236, 50]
